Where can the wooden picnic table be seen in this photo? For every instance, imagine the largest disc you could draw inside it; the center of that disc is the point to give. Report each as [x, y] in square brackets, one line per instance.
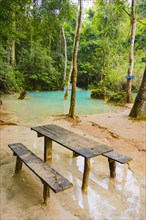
[80, 145]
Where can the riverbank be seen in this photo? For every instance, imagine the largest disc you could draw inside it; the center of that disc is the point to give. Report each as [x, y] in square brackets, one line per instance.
[120, 198]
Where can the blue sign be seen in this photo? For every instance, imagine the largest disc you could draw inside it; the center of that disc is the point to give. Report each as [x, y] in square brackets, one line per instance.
[143, 60]
[130, 77]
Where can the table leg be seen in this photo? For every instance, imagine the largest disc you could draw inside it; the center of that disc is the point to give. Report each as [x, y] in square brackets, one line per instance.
[112, 167]
[46, 194]
[47, 159]
[47, 149]
[86, 174]
[18, 165]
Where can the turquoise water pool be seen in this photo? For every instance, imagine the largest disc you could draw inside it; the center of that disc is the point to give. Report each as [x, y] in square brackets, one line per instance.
[38, 105]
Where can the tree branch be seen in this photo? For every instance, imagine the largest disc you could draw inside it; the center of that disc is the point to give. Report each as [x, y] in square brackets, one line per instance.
[126, 12]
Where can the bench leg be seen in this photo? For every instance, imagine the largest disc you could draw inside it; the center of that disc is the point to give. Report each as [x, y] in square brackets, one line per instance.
[86, 174]
[112, 167]
[46, 194]
[18, 165]
[47, 149]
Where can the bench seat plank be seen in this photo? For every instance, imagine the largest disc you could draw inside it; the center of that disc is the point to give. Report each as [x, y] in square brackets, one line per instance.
[117, 157]
[79, 144]
[46, 173]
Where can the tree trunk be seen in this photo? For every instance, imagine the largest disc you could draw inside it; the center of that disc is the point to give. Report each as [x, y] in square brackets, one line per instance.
[71, 70]
[8, 54]
[131, 53]
[65, 51]
[75, 52]
[68, 81]
[139, 108]
[13, 54]
[13, 41]
[31, 41]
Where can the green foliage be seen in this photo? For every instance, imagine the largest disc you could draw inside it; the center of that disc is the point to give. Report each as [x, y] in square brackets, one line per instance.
[38, 70]
[10, 80]
[118, 97]
[105, 31]
[19, 80]
[36, 30]
[88, 65]
[141, 25]
[7, 76]
[100, 93]
[105, 56]
[7, 79]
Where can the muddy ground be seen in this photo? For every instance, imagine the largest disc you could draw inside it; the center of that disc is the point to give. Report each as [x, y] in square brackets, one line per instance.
[121, 198]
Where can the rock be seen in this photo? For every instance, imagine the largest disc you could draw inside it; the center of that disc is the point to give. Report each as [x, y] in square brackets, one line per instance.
[22, 95]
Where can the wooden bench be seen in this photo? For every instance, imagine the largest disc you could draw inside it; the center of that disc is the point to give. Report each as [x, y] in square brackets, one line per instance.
[114, 157]
[49, 177]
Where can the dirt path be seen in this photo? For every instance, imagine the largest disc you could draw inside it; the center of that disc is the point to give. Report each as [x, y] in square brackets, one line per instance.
[122, 198]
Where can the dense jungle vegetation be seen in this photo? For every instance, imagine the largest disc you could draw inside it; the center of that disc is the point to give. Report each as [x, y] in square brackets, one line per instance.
[37, 39]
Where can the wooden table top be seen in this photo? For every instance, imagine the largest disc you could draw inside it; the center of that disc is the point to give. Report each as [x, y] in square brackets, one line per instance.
[82, 145]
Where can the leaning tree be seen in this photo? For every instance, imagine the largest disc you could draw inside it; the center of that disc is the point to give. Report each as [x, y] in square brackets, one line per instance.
[139, 108]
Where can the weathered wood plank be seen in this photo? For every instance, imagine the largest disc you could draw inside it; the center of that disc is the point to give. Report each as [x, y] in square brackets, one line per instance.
[117, 157]
[79, 144]
[46, 173]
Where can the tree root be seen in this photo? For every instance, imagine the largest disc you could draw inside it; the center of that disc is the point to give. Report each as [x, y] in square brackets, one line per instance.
[7, 123]
[75, 121]
[114, 135]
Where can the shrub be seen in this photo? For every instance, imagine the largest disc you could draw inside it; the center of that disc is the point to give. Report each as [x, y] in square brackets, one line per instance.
[118, 97]
[7, 78]
[100, 93]
[10, 80]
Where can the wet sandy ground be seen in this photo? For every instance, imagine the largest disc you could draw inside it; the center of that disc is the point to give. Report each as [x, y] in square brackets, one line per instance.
[122, 198]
